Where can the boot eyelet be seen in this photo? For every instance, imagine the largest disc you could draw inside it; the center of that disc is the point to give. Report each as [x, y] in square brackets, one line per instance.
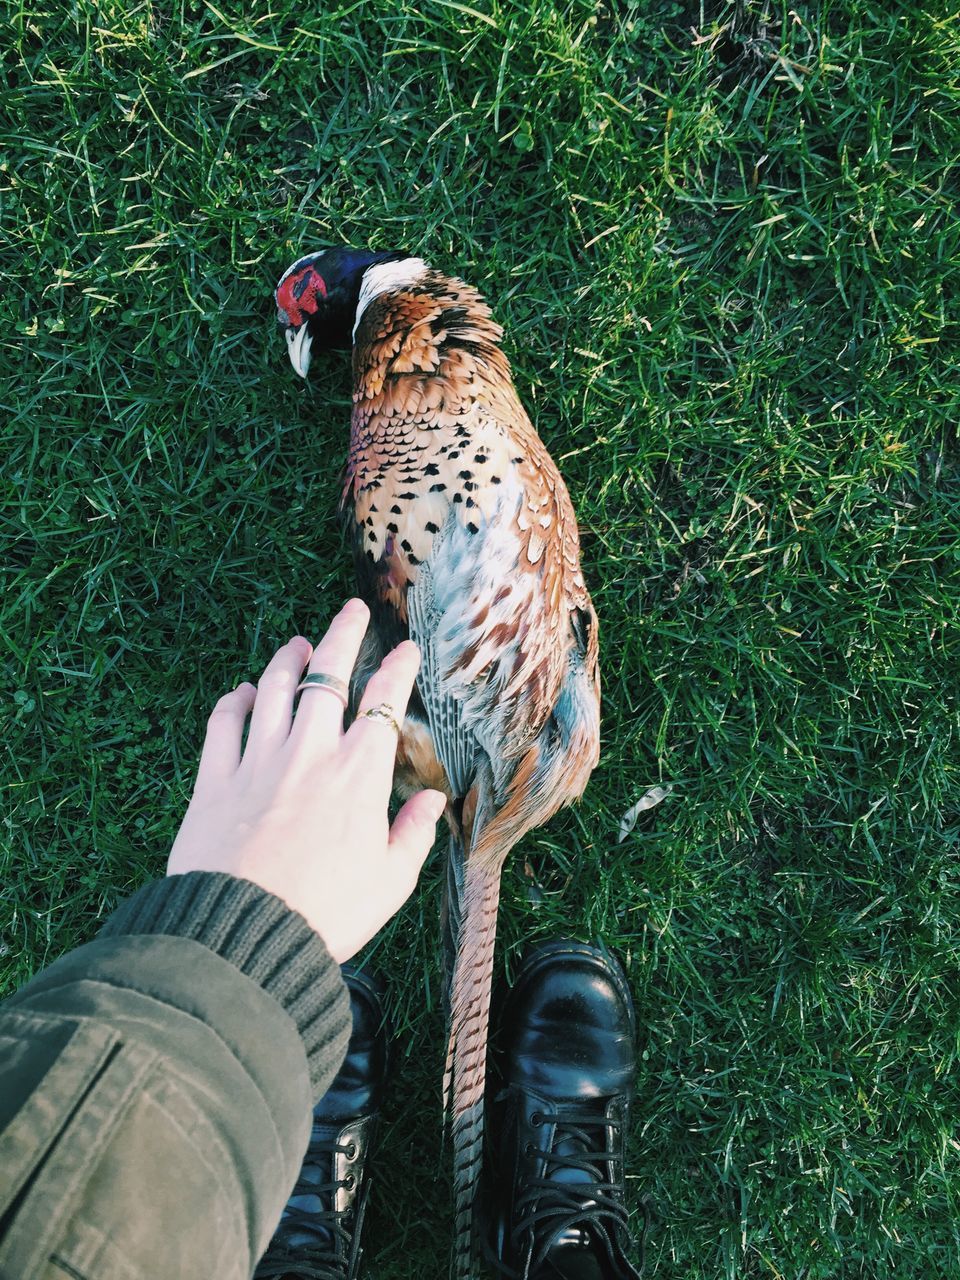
[349, 1182]
[528, 1148]
[536, 1119]
[351, 1151]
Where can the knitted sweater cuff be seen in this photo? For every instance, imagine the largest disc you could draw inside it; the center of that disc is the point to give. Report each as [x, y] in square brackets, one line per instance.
[263, 938]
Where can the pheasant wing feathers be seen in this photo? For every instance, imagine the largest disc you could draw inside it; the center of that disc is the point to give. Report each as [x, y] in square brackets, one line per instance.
[456, 749]
[478, 617]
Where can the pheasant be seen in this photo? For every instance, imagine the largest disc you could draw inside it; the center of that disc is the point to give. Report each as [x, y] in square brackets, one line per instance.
[465, 540]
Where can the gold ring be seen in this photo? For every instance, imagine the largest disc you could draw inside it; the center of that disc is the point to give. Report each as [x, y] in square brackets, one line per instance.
[383, 715]
[333, 684]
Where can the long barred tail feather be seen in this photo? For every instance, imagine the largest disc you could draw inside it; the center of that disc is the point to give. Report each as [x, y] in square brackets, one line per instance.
[467, 1054]
[451, 930]
[452, 914]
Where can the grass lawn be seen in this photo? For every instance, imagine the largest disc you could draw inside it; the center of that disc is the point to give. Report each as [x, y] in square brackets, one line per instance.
[724, 246]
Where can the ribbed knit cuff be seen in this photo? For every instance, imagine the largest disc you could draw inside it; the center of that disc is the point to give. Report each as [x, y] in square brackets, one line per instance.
[263, 938]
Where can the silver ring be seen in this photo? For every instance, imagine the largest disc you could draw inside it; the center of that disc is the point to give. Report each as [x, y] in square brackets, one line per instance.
[383, 714]
[333, 684]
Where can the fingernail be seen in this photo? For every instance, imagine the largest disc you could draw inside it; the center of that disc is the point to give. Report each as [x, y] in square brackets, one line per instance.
[437, 806]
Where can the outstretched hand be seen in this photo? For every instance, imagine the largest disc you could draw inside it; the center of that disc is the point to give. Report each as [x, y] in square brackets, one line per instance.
[303, 811]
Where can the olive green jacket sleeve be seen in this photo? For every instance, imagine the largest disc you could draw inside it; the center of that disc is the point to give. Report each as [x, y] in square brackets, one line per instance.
[156, 1087]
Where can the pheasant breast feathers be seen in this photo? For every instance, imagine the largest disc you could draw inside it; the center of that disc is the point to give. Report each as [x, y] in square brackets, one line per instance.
[447, 476]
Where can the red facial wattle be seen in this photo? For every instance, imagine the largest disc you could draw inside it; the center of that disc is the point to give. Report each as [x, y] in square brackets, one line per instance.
[297, 295]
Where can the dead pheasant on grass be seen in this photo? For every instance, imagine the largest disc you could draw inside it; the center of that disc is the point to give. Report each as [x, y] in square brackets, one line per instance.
[464, 540]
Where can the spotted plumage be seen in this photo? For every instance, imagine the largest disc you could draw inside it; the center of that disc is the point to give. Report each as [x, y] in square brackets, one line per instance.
[465, 539]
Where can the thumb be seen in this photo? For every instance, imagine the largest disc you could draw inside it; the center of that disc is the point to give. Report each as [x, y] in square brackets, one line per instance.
[415, 826]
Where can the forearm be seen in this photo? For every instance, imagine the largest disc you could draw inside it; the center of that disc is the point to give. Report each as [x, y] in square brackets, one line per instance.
[156, 1085]
[259, 935]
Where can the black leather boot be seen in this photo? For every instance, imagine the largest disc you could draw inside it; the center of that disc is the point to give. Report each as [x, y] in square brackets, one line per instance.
[563, 1073]
[319, 1233]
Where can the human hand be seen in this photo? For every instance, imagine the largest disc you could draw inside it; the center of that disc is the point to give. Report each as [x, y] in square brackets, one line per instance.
[303, 813]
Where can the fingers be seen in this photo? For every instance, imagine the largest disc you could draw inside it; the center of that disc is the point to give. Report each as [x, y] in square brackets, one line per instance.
[220, 756]
[413, 832]
[391, 685]
[320, 712]
[273, 709]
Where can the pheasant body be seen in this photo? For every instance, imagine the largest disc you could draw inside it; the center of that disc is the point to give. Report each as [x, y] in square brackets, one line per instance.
[465, 540]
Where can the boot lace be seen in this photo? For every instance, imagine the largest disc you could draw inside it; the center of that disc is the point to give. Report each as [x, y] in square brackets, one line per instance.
[330, 1255]
[546, 1207]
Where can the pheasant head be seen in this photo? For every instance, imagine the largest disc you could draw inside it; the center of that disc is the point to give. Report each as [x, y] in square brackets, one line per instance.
[317, 300]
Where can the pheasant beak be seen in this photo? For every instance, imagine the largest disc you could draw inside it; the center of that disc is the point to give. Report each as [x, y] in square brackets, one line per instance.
[298, 348]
